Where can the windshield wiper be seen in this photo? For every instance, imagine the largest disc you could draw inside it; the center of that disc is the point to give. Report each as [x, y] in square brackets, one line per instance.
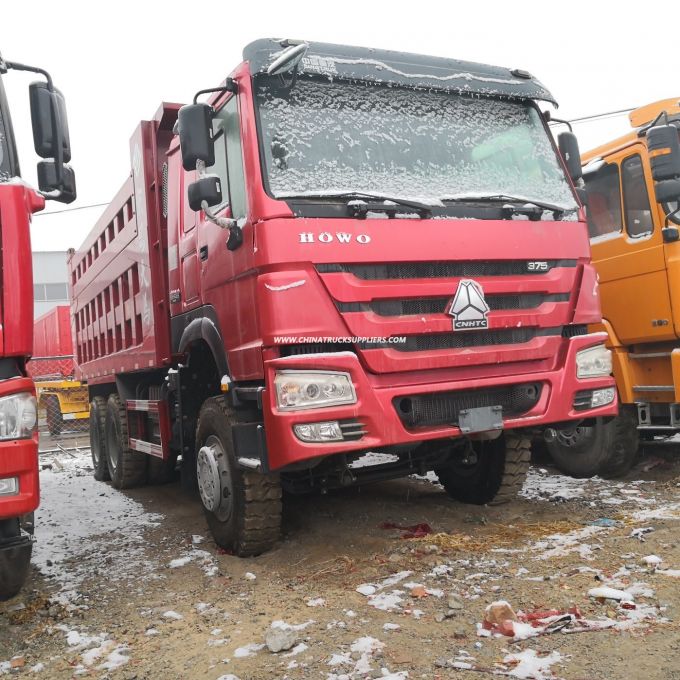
[516, 205]
[361, 208]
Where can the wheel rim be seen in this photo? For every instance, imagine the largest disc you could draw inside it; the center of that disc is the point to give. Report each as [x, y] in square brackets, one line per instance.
[574, 437]
[214, 478]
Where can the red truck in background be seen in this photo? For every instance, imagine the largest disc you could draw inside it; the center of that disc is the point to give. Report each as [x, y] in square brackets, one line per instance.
[19, 487]
[345, 251]
[62, 399]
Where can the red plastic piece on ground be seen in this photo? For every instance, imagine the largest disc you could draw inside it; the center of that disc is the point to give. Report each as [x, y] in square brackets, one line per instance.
[414, 531]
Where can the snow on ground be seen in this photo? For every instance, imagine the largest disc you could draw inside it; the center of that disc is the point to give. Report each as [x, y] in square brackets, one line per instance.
[544, 485]
[88, 524]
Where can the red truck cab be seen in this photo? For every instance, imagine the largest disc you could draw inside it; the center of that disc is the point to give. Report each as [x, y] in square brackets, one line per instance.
[346, 251]
[19, 485]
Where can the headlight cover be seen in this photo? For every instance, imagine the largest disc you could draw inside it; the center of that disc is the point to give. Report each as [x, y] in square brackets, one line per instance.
[18, 416]
[299, 390]
[594, 362]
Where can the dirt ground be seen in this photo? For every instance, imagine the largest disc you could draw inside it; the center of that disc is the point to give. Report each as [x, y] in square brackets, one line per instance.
[129, 585]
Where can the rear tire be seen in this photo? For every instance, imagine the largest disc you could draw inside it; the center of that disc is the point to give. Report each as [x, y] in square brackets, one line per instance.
[496, 477]
[605, 449]
[247, 519]
[98, 439]
[55, 418]
[127, 468]
[15, 562]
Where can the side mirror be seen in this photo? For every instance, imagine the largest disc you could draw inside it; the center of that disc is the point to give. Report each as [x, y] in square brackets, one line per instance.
[664, 157]
[48, 118]
[49, 180]
[206, 189]
[194, 125]
[664, 152]
[568, 146]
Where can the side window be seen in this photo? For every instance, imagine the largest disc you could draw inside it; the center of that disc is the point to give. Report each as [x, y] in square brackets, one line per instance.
[237, 180]
[220, 166]
[229, 159]
[604, 200]
[635, 198]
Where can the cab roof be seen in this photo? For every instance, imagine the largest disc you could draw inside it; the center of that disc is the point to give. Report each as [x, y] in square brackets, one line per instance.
[401, 68]
[638, 118]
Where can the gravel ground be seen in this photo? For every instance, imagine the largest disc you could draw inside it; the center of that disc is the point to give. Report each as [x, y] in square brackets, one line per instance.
[129, 585]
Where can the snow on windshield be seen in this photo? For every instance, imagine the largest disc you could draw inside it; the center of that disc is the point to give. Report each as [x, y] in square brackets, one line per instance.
[329, 137]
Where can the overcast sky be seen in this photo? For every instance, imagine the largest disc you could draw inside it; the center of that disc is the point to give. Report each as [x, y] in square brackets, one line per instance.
[116, 61]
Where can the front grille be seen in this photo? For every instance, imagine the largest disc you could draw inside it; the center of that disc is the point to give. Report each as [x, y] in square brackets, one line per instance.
[463, 339]
[444, 270]
[440, 304]
[315, 348]
[443, 408]
[583, 400]
[352, 430]
[573, 330]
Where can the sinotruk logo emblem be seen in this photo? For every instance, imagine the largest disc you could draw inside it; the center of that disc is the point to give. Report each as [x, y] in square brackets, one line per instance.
[469, 309]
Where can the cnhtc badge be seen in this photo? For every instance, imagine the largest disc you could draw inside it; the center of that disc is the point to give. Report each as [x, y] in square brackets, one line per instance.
[469, 309]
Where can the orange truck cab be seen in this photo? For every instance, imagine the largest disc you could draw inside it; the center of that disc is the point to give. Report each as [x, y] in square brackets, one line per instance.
[633, 189]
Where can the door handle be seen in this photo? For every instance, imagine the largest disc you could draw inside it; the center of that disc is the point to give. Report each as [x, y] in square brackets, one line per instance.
[203, 253]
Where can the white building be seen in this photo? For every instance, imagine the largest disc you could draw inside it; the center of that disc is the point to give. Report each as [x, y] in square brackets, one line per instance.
[50, 277]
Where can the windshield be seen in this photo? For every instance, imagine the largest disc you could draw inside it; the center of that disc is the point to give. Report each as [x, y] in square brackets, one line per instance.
[323, 137]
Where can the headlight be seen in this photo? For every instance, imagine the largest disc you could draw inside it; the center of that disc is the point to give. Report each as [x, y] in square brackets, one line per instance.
[18, 416]
[594, 362]
[298, 390]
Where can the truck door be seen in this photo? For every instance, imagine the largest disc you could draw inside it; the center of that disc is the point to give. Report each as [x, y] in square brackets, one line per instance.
[227, 277]
[188, 256]
[628, 248]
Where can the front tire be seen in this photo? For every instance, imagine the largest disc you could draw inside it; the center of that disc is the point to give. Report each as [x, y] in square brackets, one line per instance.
[15, 561]
[493, 473]
[605, 449]
[242, 507]
[98, 439]
[127, 468]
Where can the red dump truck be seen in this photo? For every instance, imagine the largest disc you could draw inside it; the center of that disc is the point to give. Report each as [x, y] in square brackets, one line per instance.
[19, 487]
[351, 251]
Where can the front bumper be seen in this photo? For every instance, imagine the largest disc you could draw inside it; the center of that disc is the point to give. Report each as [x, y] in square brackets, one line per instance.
[376, 413]
[19, 458]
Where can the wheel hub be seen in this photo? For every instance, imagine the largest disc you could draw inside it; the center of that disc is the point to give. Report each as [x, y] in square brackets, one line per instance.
[573, 437]
[208, 474]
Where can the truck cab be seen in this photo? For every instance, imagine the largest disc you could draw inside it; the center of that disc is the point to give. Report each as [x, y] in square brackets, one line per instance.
[632, 224]
[19, 484]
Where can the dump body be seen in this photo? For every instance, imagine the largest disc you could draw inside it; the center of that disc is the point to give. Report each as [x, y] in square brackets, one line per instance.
[164, 313]
[639, 271]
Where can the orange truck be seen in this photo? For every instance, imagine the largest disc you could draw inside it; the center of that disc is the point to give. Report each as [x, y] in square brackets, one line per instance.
[633, 210]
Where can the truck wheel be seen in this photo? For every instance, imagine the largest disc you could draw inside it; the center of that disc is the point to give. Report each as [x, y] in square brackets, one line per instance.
[98, 439]
[242, 507]
[15, 561]
[127, 468]
[55, 419]
[605, 449]
[494, 472]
